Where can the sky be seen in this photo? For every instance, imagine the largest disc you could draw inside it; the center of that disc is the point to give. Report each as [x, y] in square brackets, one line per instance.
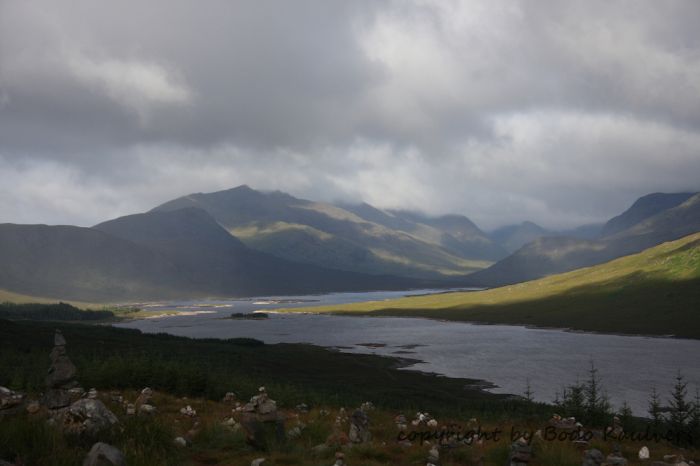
[558, 112]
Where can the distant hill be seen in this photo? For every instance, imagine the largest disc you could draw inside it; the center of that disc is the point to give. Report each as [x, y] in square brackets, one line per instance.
[642, 209]
[160, 255]
[76, 263]
[656, 291]
[353, 238]
[218, 263]
[513, 237]
[549, 255]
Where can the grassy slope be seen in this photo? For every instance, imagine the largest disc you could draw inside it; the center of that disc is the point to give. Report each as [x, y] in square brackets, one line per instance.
[10, 297]
[656, 291]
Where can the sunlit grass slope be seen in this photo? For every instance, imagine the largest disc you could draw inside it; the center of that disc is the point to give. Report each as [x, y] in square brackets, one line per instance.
[656, 291]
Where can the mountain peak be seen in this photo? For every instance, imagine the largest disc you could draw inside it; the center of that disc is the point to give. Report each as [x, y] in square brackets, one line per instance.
[645, 207]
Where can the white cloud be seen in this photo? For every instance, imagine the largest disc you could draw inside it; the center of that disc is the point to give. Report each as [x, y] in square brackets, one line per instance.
[136, 85]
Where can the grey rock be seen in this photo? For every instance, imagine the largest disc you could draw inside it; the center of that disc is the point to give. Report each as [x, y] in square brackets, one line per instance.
[520, 453]
[614, 459]
[86, 417]
[9, 398]
[58, 338]
[593, 457]
[102, 454]
[359, 427]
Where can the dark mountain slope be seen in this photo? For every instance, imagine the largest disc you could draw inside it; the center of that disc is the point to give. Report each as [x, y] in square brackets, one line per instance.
[560, 254]
[218, 263]
[83, 264]
[327, 235]
[643, 208]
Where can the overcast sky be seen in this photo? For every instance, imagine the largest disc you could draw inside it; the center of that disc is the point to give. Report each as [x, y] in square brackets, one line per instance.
[560, 112]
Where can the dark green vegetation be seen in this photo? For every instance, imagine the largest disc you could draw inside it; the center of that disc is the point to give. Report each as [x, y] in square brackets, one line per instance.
[654, 292]
[652, 220]
[52, 312]
[108, 357]
[359, 238]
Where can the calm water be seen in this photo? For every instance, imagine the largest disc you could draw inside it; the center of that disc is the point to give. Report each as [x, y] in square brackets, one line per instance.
[504, 355]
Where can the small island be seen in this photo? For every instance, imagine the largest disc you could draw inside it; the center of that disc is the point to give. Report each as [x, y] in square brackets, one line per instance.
[249, 315]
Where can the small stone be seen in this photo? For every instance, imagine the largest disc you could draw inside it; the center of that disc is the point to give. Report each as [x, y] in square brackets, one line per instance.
[643, 453]
[147, 409]
[302, 408]
[102, 454]
[33, 407]
[130, 409]
[188, 411]
[145, 398]
[92, 394]
[320, 449]
[433, 455]
[230, 397]
[257, 462]
[180, 442]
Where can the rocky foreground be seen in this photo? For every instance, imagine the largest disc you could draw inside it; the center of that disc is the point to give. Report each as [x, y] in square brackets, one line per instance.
[93, 428]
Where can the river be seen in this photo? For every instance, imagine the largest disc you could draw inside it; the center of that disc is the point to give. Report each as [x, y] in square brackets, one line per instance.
[504, 355]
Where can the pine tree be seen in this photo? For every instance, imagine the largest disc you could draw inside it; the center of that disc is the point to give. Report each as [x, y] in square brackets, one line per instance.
[626, 415]
[596, 403]
[680, 409]
[529, 394]
[654, 411]
[694, 423]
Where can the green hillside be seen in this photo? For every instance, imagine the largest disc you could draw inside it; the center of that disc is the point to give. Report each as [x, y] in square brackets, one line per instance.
[357, 238]
[656, 292]
[10, 297]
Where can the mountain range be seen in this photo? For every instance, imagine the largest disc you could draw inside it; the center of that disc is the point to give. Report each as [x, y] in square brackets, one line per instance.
[651, 220]
[243, 242]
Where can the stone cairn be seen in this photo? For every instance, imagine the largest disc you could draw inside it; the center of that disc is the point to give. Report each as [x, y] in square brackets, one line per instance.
[259, 412]
[61, 387]
[520, 453]
[359, 427]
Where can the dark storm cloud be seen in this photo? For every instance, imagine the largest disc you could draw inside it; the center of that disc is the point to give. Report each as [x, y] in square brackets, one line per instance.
[558, 112]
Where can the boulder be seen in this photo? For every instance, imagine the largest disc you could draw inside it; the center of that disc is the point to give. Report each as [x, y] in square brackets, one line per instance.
[102, 454]
[255, 428]
[592, 457]
[615, 458]
[86, 417]
[10, 399]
